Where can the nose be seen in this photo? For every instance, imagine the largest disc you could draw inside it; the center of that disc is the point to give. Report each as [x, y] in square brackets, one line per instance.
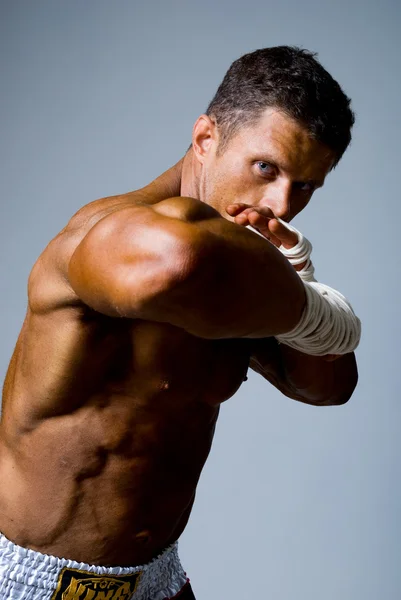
[278, 198]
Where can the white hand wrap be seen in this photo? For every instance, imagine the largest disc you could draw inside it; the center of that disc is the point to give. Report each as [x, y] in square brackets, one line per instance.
[328, 324]
[299, 253]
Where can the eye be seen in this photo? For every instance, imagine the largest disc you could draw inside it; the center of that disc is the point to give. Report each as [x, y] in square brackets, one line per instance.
[306, 187]
[265, 168]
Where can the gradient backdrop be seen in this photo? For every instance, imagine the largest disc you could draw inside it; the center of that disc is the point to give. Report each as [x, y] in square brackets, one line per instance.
[97, 98]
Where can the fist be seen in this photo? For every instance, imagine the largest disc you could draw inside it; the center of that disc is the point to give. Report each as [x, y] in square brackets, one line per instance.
[264, 220]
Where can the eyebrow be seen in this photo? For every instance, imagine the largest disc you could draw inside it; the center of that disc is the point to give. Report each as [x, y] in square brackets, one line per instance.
[317, 183]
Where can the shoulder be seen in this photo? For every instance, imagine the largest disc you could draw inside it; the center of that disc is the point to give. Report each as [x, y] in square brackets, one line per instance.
[48, 286]
[186, 209]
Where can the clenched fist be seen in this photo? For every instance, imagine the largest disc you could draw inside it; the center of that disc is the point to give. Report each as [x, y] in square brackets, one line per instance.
[264, 220]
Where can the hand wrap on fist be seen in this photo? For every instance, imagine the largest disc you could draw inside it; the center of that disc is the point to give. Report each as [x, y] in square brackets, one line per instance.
[328, 324]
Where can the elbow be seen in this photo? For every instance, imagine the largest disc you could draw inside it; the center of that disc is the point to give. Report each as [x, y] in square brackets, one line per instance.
[346, 377]
[346, 394]
[184, 259]
[166, 289]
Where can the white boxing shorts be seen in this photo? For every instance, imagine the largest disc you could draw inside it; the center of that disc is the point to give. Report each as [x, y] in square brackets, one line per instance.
[29, 575]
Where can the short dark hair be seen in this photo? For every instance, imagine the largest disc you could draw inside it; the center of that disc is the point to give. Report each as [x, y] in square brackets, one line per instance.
[292, 80]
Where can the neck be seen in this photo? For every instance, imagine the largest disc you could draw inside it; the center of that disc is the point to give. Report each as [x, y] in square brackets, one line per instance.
[180, 180]
[190, 176]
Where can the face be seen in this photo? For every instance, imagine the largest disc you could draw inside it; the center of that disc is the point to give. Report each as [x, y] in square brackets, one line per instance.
[272, 163]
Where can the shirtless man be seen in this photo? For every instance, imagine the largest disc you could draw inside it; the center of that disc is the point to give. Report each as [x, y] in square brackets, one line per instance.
[144, 315]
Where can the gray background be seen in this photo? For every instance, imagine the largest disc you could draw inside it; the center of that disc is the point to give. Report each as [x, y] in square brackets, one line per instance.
[98, 98]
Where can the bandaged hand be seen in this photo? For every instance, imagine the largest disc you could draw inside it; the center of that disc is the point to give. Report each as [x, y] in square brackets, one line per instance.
[328, 326]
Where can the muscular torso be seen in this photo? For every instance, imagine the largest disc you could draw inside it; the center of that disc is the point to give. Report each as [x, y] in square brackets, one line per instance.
[106, 422]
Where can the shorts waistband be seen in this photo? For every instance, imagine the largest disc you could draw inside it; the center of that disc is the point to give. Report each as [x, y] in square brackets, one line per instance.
[161, 578]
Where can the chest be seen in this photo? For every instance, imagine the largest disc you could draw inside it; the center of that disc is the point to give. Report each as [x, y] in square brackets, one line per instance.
[165, 360]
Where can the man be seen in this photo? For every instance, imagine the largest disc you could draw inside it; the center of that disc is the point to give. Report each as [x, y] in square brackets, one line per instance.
[144, 315]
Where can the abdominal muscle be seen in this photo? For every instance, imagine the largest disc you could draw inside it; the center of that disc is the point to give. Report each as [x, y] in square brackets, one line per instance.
[99, 461]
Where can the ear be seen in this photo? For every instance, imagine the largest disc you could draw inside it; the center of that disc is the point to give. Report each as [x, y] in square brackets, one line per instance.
[204, 137]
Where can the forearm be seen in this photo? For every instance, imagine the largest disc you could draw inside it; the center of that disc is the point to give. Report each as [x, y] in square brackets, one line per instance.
[310, 379]
[304, 371]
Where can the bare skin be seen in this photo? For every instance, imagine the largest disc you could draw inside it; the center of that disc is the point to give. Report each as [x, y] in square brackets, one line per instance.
[129, 345]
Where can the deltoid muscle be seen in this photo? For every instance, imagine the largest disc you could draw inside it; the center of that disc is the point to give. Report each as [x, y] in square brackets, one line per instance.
[328, 324]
